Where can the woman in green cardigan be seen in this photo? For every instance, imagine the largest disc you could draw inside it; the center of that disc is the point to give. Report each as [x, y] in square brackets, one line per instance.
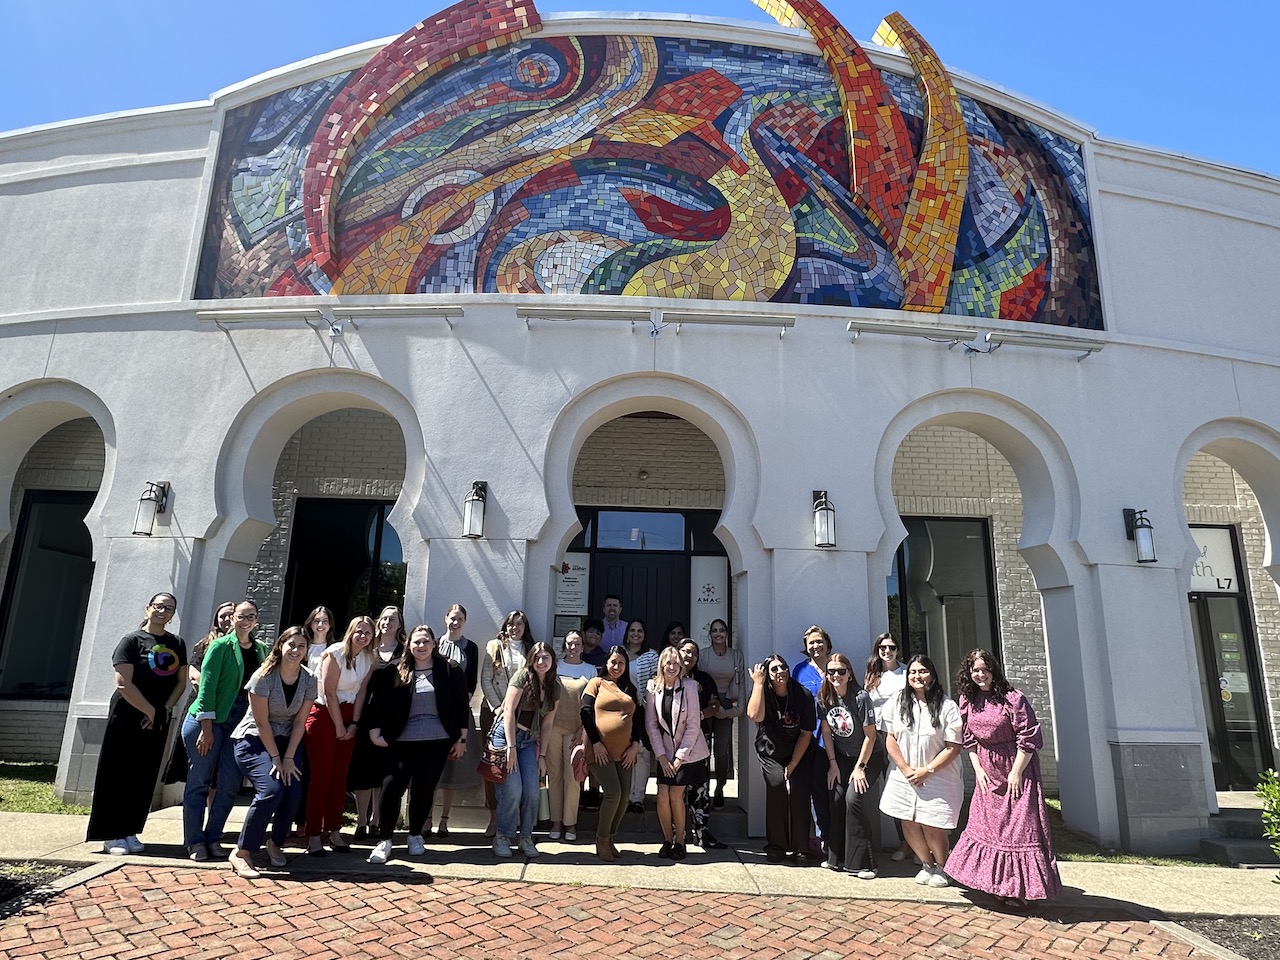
[219, 704]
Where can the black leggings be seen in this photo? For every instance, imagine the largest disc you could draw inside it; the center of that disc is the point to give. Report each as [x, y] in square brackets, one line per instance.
[416, 765]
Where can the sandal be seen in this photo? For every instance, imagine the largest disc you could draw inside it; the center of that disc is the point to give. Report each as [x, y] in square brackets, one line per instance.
[443, 829]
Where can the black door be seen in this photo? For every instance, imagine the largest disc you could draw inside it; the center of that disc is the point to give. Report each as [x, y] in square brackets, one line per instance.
[653, 586]
[46, 594]
[1230, 684]
[344, 555]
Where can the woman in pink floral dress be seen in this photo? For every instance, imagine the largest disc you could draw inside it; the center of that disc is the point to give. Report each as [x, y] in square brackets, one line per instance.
[1005, 849]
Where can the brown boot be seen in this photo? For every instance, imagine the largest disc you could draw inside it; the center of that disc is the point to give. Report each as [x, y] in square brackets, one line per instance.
[604, 849]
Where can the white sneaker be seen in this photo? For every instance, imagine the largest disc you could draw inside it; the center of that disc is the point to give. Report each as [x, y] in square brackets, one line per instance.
[924, 876]
[867, 874]
[134, 844]
[501, 847]
[528, 847]
[939, 878]
[570, 835]
[417, 846]
[553, 834]
[117, 848]
[381, 853]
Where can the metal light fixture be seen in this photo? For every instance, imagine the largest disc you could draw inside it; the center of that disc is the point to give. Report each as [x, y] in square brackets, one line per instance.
[152, 502]
[473, 510]
[824, 520]
[1138, 529]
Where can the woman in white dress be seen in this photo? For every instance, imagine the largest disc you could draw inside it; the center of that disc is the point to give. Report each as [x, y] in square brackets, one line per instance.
[925, 788]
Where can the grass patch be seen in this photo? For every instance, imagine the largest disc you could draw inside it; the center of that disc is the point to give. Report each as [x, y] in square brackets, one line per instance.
[1072, 846]
[28, 788]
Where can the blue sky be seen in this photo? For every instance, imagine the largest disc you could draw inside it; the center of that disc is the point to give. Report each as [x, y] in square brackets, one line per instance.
[1187, 77]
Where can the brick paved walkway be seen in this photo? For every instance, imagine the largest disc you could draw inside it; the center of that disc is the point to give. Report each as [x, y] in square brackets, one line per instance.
[165, 914]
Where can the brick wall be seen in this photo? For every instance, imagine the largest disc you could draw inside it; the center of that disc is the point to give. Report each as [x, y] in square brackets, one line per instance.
[680, 465]
[71, 456]
[1215, 494]
[345, 454]
[949, 472]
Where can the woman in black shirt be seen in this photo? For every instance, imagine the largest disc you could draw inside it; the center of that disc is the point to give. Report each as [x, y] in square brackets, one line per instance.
[151, 673]
[849, 737]
[786, 716]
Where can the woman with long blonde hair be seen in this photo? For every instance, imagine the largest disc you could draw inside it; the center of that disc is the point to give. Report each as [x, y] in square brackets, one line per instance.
[331, 732]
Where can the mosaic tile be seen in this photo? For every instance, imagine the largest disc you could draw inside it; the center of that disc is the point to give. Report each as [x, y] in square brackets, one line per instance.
[474, 154]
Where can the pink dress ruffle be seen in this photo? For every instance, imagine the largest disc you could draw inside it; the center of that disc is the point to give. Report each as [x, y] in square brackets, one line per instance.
[1005, 849]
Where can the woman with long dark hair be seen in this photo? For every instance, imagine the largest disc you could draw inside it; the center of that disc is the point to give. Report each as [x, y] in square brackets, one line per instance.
[673, 719]
[786, 716]
[331, 732]
[268, 748]
[150, 673]
[925, 788]
[419, 713]
[219, 705]
[1006, 849]
[524, 733]
[697, 792]
[504, 656]
[724, 664]
[614, 723]
[642, 661]
[849, 738]
[317, 630]
[884, 678]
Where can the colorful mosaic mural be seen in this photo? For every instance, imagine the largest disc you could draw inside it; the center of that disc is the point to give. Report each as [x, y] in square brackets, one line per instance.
[474, 154]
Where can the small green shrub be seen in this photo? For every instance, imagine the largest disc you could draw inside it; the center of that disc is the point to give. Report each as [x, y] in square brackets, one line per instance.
[1269, 792]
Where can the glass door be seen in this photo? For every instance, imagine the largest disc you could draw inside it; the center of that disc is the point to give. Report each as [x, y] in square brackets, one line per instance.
[1238, 744]
[1230, 675]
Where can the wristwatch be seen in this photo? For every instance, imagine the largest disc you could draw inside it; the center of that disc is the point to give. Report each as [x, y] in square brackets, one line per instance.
[861, 765]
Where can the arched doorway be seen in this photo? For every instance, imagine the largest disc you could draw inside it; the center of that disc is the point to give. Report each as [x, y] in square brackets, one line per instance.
[46, 571]
[649, 488]
[1235, 619]
[336, 482]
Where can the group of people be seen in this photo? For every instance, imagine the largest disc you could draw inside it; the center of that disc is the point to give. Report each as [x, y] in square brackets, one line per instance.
[828, 744]
[310, 718]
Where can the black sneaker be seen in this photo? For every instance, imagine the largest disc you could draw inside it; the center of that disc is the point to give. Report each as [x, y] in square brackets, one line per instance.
[677, 851]
[635, 806]
[664, 852]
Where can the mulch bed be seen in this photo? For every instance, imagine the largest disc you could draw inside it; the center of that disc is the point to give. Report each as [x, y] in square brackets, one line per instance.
[23, 882]
[1256, 938]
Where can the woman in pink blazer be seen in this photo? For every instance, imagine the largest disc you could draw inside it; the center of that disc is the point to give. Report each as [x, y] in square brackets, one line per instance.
[673, 719]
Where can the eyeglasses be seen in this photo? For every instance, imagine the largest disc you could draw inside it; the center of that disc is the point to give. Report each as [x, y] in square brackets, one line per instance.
[837, 672]
[164, 607]
[888, 646]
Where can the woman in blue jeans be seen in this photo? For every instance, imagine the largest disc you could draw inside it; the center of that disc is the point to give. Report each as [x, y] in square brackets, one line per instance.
[268, 748]
[529, 709]
[219, 705]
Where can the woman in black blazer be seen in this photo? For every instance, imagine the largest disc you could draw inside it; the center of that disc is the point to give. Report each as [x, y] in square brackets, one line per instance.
[419, 709]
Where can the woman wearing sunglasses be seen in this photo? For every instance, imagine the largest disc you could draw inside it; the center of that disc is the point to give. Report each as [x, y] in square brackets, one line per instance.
[849, 736]
[884, 679]
[786, 716]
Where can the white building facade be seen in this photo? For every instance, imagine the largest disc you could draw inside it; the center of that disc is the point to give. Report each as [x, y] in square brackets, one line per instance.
[178, 305]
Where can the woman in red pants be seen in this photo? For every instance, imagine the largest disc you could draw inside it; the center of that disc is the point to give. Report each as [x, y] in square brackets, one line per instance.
[331, 731]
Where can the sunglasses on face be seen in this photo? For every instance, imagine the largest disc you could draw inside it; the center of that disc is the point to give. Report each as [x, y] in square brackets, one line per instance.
[887, 647]
[837, 672]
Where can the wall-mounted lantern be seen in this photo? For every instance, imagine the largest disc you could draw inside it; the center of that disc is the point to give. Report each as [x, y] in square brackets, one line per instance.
[824, 520]
[152, 503]
[1138, 529]
[473, 510]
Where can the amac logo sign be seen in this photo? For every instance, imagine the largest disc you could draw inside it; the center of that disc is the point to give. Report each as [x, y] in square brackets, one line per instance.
[708, 595]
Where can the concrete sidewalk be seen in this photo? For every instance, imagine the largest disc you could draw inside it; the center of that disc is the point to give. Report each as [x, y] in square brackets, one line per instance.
[1145, 891]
